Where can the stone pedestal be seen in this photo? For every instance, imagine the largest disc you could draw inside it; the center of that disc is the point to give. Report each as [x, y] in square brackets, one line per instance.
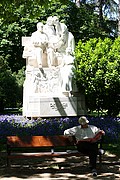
[44, 95]
[37, 106]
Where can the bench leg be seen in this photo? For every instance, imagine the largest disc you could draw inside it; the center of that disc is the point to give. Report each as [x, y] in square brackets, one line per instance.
[8, 153]
[8, 162]
[100, 159]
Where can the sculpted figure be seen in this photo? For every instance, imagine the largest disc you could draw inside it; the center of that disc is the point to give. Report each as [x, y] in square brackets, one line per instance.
[66, 71]
[57, 33]
[59, 40]
[52, 40]
[40, 41]
[71, 42]
[65, 38]
[49, 28]
[61, 33]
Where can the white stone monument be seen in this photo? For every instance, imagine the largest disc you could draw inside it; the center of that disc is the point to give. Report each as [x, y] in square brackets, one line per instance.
[49, 89]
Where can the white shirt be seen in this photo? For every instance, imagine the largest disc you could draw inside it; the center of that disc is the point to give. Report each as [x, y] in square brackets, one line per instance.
[82, 133]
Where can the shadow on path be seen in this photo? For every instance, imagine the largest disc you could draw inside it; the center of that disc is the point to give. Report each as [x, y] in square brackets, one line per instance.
[71, 168]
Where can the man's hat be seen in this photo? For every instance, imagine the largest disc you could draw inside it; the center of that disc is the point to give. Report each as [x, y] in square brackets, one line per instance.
[83, 120]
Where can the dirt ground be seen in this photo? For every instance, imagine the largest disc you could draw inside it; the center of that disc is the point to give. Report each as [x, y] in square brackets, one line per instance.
[72, 168]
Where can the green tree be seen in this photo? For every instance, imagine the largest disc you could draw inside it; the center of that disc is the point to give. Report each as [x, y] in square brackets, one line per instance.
[9, 91]
[107, 12]
[97, 68]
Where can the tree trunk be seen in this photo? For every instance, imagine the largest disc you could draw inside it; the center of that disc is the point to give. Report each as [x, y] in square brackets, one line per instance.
[119, 18]
[100, 5]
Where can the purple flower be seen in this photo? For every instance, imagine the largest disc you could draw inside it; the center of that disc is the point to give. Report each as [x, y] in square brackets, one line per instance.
[18, 125]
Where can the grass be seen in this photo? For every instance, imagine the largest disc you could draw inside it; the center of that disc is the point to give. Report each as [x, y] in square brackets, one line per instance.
[113, 149]
[10, 111]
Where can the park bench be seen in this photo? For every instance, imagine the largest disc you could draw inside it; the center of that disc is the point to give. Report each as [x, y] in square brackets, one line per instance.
[41, 147]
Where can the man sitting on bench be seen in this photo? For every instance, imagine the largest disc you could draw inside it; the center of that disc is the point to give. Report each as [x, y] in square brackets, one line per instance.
[86, 137]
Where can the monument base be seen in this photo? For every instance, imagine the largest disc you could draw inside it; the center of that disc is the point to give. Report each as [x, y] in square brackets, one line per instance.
[37, 106]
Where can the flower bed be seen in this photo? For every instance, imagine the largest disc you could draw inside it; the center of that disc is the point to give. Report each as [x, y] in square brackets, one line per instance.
[18, 125]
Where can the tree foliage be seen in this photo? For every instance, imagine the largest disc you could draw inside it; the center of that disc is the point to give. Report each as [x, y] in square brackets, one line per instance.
[97, 68]
[9, 90]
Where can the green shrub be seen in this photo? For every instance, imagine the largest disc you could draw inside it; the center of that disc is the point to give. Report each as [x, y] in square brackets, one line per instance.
[97, 67]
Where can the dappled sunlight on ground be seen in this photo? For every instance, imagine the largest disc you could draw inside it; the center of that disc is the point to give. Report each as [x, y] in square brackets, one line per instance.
[70, 168]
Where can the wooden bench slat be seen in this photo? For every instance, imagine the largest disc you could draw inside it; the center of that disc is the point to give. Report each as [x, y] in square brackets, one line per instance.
[38, 141]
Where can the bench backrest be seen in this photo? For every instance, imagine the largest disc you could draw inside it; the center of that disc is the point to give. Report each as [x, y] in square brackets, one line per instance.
[38, 141]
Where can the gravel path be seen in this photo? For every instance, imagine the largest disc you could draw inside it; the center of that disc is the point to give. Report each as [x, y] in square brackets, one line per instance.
[72, 168]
